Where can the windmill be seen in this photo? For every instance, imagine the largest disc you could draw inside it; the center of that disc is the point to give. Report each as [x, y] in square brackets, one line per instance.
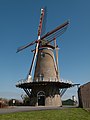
[44, 87]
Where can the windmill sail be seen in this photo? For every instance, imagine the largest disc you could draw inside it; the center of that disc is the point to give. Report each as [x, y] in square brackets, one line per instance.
[48, 36]
[44, 22]
[56, 32]
[37, 44]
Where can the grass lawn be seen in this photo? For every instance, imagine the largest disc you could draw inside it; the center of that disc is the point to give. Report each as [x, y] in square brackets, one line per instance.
[65, 114]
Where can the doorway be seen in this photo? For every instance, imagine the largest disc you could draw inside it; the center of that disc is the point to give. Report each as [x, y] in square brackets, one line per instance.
[41, 98]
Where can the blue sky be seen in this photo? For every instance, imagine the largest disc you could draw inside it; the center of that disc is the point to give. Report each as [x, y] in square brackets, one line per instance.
[19, 21]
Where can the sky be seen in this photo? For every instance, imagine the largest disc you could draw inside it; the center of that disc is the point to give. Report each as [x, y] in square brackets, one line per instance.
[19, 20]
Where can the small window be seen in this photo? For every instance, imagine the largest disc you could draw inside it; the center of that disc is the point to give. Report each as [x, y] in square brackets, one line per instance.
[42, 55]
[40, 77]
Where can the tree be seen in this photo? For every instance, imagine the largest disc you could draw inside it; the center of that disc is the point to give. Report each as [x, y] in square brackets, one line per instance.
[26, 100]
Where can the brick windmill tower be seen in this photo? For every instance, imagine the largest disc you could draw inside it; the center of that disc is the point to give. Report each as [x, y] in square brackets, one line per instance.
[45, 85]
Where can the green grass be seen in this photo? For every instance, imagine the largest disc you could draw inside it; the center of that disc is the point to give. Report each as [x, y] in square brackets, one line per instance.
[65, 114]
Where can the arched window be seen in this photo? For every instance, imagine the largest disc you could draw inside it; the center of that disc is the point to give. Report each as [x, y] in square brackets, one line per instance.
[41, 93]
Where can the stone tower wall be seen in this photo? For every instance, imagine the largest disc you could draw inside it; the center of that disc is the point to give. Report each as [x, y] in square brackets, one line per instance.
[45, 66]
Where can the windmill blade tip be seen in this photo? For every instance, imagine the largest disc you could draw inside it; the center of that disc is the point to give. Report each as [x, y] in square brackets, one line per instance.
[68, 21]
[17, 51]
